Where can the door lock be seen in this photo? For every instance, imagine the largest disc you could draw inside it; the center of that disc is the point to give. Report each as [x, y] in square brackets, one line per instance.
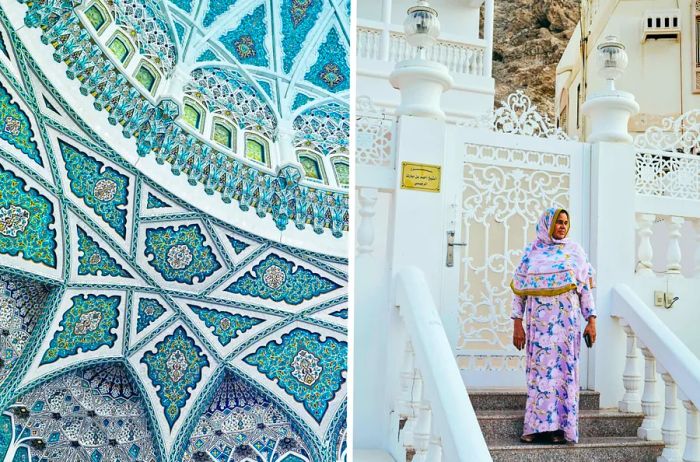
[450, 262]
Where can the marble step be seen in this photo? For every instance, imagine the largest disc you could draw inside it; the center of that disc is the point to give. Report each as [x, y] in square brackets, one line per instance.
[504, 424]
[599, 449]
[483, 400]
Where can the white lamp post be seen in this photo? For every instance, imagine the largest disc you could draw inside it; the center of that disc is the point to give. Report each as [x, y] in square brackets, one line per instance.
[420, 81]
[610, 110]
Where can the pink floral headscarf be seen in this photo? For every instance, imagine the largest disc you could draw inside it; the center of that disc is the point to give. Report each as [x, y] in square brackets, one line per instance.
[552, 266]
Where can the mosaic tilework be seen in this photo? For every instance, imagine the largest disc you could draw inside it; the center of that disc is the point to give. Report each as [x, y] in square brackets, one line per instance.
[152, 202]
[300, 99]
[185, 5]
[149, 311]
[247, 41]
[325, 128]
[21, 304]
[180, 255]
[5, 434]
[95, 259]
[307, 368]
[226, 326]
[25, 217]
[102, 188]
[15, 127]
[331, 70]
[216, 9]
[298, 18]
[175, 369]
[90, 415]
[343, 314]
[275, 279]
[238, 246]
[241, 421]
[180, 31]
[86, 326]
[267, 88]
[208, 55]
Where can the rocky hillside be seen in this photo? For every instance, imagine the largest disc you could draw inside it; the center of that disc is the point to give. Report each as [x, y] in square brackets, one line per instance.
[529, 38]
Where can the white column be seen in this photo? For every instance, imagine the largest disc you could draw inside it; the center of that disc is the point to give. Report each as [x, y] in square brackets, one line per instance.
[630, 377]
[673, 254]
[386, 20]
[696, 227]
[671, 429]
[651, 405]
[366, 198]
[692, 433]
[488, 37]
[645, 252]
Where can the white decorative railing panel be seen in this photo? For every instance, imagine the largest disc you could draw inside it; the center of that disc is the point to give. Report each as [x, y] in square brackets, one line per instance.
[668, 174]
[375, 135]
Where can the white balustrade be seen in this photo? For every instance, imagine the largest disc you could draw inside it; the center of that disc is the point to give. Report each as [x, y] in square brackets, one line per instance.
[459, 58]
[650, 428]
[673, 254]
[671, 428]
[366, 198]
[631, 379]
[645, 252]
[692, 433]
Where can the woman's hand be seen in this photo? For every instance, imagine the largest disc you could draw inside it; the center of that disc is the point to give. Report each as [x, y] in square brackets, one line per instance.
[590, 329]
[518, 334]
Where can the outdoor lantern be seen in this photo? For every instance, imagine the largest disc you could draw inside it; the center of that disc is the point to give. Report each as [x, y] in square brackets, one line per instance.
[612, 60]
[421, 25]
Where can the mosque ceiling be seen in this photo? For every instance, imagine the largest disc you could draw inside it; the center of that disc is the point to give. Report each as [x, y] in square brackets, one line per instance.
[135, 326]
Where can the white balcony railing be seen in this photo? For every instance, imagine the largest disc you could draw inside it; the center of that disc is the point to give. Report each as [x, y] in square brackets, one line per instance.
[460, 58]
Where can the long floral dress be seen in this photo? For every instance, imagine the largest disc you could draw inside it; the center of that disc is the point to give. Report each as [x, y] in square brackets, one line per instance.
[553, 332]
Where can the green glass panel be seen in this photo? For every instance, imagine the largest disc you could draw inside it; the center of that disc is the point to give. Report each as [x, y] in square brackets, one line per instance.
[119, 48]
[95, 17]
[222, 135]
[310, 167]
[146, 78]
[255, 150]
[192, 116]
[342, 172]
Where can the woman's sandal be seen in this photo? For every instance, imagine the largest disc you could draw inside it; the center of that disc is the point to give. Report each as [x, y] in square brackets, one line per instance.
[558, 439]
[527, 438]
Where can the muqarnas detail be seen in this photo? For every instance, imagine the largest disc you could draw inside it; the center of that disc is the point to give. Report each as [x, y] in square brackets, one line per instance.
[25, 221]
[180, 255]
[275, 279]
[175, 369]
[87, 325]
[307, 368]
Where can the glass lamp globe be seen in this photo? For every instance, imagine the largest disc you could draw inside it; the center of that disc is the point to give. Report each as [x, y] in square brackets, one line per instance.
[612, 59]
[421, 25]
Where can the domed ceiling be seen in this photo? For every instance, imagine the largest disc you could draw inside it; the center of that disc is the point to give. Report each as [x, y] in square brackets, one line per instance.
[135, 325]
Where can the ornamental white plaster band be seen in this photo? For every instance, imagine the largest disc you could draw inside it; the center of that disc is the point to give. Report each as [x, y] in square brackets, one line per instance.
[421, 84]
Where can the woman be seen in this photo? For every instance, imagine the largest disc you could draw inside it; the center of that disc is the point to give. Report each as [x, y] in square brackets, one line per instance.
[551, 285]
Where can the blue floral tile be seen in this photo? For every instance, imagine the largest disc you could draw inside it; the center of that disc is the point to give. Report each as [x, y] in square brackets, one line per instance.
[15, 127]
[152, 202]
[274, 278]
[331, 71]
[307, 368]
[95, 258]
[247, 41]
[149, 310]
[343, 314]
[298, 18]
[299, 100]
[180, 255]
[226, 326]
[216, 9]
[175, 369]
[208, 55]
[238, 245]
[86, 326]
[25, 217]
[101, 187]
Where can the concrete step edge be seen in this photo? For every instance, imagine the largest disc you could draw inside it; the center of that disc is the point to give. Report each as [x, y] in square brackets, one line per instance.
[584, 443]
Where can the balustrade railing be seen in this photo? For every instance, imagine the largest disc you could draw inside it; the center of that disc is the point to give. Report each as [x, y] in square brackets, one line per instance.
[434, 417]
[459, 58]
[680, 372]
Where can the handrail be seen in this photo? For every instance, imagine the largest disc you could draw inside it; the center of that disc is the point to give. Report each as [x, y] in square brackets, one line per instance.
[673, 355]
[436, 362]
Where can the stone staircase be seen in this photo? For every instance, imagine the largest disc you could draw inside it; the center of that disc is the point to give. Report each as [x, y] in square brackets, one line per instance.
[605, 434]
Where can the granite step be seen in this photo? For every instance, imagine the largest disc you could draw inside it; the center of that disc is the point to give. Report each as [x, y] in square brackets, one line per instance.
[503, 424]
[619, 449]
[508, 399]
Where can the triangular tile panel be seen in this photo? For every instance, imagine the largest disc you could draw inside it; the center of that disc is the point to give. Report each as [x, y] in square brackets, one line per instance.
[298, 18]
[148, 312]
[238, 247]
[155, 203]
[331, 71]
[246, 42]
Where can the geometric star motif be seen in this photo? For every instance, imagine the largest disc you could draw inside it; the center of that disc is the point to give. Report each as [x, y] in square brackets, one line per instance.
[307, 368]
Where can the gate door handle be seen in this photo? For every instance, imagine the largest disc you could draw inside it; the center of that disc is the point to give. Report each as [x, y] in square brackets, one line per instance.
[450, 261]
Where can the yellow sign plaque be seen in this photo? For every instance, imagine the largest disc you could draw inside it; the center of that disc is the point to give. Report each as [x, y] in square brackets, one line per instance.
[421, 177]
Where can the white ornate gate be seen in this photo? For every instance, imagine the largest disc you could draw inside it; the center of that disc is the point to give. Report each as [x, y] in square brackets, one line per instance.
[507, 176]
